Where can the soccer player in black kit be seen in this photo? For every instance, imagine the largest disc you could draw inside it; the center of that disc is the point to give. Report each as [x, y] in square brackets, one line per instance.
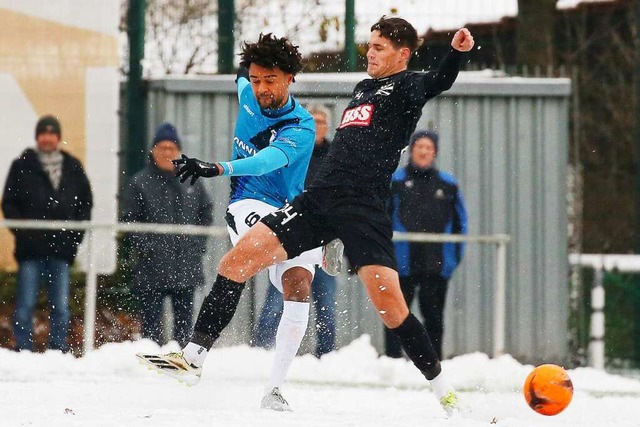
[346, 200]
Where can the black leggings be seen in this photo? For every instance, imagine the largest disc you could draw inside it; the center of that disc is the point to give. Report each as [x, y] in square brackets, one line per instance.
[432, 293]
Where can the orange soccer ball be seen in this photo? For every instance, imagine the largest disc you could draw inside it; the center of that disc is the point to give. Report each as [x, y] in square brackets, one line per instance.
[548, 389]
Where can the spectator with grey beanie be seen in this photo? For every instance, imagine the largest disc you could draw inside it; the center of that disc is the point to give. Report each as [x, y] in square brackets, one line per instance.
[323, 286]
[166, 264]
[45, 183]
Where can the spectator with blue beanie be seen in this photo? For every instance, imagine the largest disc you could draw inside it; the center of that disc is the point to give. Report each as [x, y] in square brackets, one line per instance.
[166, 264]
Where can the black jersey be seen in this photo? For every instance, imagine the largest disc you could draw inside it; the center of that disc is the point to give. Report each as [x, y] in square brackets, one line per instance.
[376, 126]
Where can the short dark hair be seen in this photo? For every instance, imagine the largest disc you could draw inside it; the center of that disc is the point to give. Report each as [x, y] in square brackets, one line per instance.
[400, 32]
[271, 52]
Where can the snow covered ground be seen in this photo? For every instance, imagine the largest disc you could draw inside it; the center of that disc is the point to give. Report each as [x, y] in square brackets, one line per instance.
[350, 387]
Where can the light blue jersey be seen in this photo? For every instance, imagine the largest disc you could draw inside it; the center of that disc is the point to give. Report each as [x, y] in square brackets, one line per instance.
[271, 150]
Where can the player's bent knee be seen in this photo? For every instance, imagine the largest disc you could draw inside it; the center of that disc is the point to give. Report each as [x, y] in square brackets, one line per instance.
[296, 284]
[393, 318]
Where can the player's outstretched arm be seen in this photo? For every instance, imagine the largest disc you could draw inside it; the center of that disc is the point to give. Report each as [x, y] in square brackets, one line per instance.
[441, 80]
[266, 160]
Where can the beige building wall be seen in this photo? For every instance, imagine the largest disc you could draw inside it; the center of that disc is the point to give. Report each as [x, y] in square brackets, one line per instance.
[61, 58]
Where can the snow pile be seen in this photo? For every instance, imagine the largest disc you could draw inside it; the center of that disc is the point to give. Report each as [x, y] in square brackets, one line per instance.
[352, 387]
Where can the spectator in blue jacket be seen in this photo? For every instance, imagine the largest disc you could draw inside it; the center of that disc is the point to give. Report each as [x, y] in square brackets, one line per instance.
[425, 199]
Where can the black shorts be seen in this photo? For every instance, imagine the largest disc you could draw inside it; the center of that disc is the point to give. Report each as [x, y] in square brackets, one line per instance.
[316, 217]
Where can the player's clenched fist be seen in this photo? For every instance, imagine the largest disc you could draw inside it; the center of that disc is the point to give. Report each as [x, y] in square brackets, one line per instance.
[462, 40]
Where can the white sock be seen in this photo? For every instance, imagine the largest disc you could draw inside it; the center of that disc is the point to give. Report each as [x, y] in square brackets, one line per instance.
[440, 386]
[195, 354]
[291, 329]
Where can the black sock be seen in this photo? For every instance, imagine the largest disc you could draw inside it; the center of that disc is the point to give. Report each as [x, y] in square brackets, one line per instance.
[416, 343]
[217, 310]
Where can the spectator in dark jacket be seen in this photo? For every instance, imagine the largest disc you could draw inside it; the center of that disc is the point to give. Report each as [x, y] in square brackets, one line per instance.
[45, 183]
[166, 264]
[425, 199]
[323, 287]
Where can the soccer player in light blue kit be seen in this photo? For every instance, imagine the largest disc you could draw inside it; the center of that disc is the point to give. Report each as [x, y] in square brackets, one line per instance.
[272, 146]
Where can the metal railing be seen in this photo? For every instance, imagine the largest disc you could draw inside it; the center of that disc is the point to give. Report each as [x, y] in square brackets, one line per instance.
[499, 301]
[500, 240]
[89, 227]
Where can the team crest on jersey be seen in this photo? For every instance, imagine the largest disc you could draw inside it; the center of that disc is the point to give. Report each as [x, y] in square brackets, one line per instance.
[357, 116]
[385, 90]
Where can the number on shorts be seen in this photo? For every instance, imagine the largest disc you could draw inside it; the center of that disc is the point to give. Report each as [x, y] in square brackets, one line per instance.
[289, 212]
[251, 219]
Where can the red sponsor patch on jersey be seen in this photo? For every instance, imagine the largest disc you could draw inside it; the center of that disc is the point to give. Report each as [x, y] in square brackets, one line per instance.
[357, 116]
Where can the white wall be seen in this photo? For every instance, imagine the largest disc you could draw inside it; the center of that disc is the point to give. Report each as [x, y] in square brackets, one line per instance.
[61, 57]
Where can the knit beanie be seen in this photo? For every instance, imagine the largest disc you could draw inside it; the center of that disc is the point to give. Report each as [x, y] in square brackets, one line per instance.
[48, 124]
[432, 135]
[166, 132]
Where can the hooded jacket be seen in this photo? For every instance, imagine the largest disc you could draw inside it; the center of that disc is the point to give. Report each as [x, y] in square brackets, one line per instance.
[29, 194]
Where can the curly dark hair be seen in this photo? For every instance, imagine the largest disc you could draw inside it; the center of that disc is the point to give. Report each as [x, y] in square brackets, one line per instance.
[271, 52]
[400, 32]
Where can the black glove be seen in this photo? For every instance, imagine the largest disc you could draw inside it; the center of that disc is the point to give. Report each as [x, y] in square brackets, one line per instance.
[194, 168]
[242, 72]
